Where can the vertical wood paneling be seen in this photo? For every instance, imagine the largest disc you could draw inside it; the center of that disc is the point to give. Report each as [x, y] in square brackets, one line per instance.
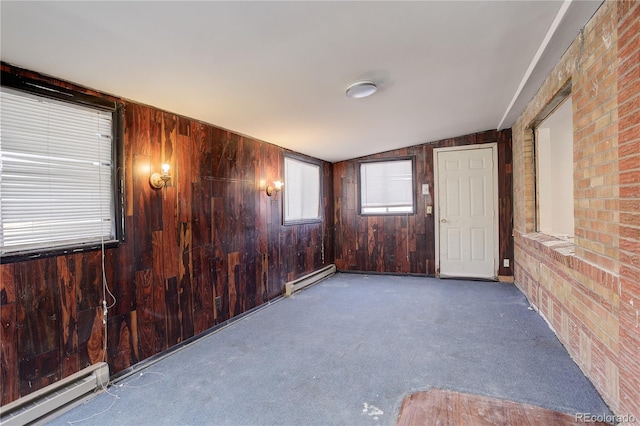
[220, 270]
[203, 299]
[38, 308]
[183, 171]
[143, 211]
[202, 256]
[8, 335]
[95, 349]
[90, 289]
[158, 306]
[120, 270]
[69, 308]
[172, 310]
[212, 232]
[379, 243]
[233, 259]
[86, 337]
[122, 338]
[185, 290]
[171, 260]
[39, 371]
[144, 287]
[505, 194]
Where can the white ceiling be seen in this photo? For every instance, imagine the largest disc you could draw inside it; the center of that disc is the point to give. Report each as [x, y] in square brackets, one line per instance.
[277, 71]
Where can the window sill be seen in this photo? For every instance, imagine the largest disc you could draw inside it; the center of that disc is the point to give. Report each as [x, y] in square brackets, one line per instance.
[53, 252]
[302, 222]
[564, 246]
[402, 214]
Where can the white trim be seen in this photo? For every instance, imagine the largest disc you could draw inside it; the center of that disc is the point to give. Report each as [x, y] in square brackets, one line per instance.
[536, 58]
[496, 204]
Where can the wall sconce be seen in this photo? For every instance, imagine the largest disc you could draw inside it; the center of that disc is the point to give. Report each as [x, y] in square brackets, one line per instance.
[158, 180]
[273, 190]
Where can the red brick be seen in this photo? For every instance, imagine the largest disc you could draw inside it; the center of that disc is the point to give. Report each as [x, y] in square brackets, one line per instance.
[630, 120]
[629, 258]
[607, 218]
[631, 219]
[630, 177]
[606, 239]
[629, 232]
[629, 283]
[629, 106]
[629, 163]
[628, 135]
[627, 26]
[604, 169]
[631, 191]
[629, 85]
[630, 245]
[611, 204]
[626, 64]
[629, 42]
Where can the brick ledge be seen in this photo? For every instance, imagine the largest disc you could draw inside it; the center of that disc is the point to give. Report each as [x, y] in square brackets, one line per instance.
[543, 246]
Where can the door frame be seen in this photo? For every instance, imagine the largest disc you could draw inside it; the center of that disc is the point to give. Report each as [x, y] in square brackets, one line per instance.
[496, 204]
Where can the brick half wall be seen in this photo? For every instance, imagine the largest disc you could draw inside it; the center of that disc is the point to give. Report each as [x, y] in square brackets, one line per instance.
[589, 290]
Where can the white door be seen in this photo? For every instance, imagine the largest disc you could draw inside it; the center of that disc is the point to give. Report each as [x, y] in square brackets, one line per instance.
[467, 221]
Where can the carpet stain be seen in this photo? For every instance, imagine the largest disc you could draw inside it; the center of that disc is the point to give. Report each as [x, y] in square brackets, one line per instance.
[371, 410]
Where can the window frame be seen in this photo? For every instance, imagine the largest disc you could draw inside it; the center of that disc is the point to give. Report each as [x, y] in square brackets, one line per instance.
[565, 94]
[414, 209]
[58, 93]
[315, 163]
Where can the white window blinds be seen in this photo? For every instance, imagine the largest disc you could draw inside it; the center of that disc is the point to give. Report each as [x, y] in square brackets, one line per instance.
[301, 190]
[55, 174]
[386, 187]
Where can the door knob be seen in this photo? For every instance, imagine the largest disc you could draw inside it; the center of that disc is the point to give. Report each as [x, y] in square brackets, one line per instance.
[443, 221]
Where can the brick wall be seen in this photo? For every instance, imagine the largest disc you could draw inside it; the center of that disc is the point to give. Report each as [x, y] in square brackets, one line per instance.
[629, 202]
[588, 290]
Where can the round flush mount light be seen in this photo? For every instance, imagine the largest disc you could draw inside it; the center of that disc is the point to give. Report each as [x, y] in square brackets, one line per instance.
[361, 89]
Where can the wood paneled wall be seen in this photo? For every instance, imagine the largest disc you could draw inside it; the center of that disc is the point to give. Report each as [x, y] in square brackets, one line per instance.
[405, 243]
[213, 232]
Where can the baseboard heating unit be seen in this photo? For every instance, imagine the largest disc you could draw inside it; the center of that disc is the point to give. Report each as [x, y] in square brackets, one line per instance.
[46, 400]
[309, 279]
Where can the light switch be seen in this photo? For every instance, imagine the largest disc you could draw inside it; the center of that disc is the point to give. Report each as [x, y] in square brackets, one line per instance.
[425, 189]
[429, 210]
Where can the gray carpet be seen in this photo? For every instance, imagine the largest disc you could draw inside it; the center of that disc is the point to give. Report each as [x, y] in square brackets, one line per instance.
[346, 352]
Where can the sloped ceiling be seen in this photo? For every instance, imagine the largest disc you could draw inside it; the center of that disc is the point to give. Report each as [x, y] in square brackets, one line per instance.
[277, 71]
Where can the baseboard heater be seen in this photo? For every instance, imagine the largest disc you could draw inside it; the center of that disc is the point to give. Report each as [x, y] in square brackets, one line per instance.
[309, 279]
[46, 400]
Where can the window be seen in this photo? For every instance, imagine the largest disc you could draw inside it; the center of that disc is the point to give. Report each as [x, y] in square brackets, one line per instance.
[387, 187]
[302, 191]
[554, 160]
[57, 170]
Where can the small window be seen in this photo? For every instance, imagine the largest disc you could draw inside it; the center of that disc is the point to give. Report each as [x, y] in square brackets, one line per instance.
[57, 173]
[387, 187]
[302, 191]
[554, 158]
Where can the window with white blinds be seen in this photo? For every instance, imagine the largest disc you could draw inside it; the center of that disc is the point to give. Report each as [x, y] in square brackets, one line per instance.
[56, 166]
[386, 187]
[301, 191]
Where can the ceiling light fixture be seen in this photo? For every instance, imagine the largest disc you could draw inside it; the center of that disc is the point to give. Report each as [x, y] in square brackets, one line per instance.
[361, 89]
